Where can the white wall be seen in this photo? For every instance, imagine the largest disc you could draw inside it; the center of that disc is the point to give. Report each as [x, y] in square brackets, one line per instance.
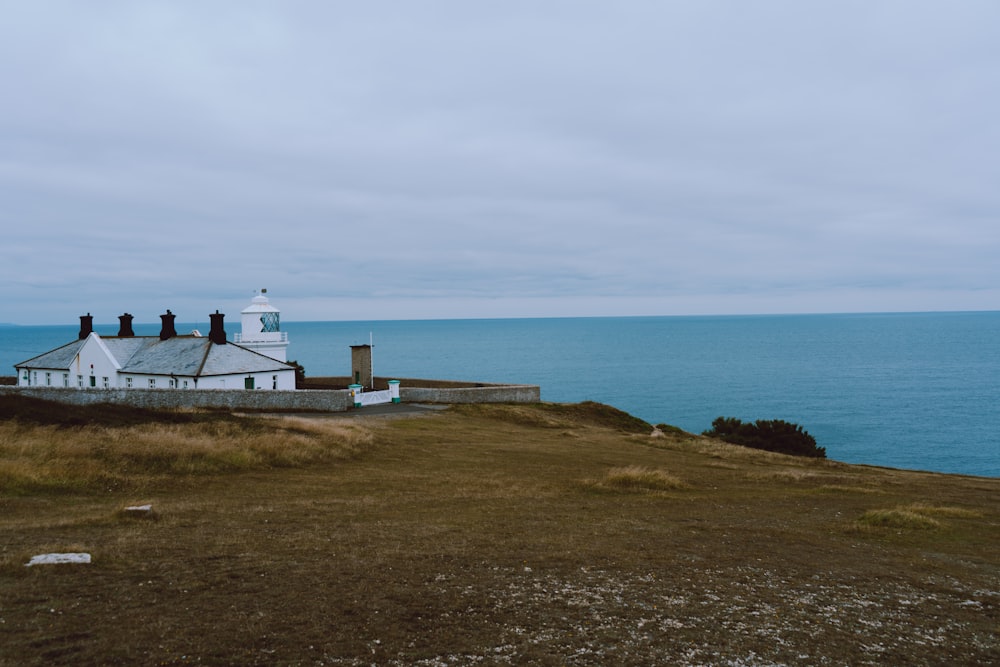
[93, 360]
[263, 381]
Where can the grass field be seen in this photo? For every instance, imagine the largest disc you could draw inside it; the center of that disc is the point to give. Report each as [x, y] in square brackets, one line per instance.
[548, 534]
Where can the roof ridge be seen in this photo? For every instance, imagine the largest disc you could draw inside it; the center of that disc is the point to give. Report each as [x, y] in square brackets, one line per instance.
[204, 358]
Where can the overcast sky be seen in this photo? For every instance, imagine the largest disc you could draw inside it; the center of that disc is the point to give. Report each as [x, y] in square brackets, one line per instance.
[439, 159]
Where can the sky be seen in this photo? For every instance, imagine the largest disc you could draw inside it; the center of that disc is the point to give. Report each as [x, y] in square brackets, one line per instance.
[451, 159]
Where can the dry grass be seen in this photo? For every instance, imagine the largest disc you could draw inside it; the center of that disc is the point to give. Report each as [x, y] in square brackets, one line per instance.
[639, 478]
[466, 537]
[49, 458]
[899, 517]
[953, 512]
[916, 516]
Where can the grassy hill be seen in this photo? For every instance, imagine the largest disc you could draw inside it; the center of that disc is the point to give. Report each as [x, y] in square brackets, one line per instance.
[494, 534]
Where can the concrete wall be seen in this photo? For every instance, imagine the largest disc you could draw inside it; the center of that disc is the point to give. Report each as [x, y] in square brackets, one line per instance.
[320, 400]
[228, 399]
[496, 393]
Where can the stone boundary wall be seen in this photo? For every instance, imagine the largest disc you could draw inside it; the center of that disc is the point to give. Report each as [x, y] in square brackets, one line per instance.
[305, 400]
[498, 393]
[227, 399]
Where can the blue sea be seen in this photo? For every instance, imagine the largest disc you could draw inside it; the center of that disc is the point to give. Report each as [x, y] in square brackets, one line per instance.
[907, 390]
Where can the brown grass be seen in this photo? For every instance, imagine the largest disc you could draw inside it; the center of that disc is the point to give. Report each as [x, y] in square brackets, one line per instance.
[918, 516]
[639, 478]
[899, 517]
[50, 458]
[466, 536]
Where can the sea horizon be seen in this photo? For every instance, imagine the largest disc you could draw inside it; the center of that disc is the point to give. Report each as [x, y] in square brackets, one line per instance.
[285, 320]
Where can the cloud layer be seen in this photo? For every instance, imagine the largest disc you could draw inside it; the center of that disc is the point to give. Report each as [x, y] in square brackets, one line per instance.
[451, 159]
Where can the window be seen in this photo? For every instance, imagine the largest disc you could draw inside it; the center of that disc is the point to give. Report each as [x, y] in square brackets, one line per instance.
[152, 383]
[172, 384]
[65, 379]
[269, 322]
[128, 383]
[79, 381]
[34, 378]
[48, 379]
[93, 381]
[274, 382]
[105, 383]
[185, 384]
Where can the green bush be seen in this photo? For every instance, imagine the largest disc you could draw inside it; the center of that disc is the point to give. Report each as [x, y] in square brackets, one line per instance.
[773, 435]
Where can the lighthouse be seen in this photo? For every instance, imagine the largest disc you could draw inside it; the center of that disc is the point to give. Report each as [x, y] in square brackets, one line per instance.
[262, 329]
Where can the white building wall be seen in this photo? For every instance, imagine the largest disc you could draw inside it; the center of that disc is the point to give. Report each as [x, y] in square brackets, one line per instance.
[94, 366]
[281, 380]
[45, 377]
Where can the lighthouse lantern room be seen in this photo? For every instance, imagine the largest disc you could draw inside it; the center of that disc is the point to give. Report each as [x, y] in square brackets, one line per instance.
[262, 329]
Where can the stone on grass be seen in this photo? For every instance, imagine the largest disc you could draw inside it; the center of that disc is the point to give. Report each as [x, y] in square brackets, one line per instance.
[139, 512]
[58, 559]
[139, 509]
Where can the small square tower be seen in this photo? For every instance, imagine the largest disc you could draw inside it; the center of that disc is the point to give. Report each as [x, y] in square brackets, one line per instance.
[361, 365]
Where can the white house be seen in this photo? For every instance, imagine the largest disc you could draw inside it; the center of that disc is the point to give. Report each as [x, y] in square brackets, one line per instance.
[167, 361]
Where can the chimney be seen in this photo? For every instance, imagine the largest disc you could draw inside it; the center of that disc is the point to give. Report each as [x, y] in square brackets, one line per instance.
[218, 332]
[125, 328]
[86, 325]
[167, 330]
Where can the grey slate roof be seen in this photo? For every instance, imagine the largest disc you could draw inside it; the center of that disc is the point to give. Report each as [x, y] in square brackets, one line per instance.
[61, 357]
[187, 356]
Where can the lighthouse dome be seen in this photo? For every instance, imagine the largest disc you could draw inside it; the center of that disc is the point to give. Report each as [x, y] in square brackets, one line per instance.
[261, 328]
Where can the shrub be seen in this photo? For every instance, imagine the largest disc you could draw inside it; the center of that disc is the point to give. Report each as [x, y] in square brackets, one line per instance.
[773, 435]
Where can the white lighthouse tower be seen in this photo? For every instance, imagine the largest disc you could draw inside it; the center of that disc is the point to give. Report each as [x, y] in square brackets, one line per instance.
[262, 329]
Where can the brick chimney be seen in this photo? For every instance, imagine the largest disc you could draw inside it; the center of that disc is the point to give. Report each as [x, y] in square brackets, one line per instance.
[167, 330]
[86, 325]
[217, 334]
[125, 326]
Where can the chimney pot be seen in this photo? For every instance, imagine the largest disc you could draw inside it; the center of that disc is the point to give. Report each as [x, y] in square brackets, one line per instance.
[86, 325]
[217, 334]
[167, 329]
[125, 326]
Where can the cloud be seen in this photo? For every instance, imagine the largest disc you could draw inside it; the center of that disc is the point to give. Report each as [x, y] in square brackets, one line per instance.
[451, 160]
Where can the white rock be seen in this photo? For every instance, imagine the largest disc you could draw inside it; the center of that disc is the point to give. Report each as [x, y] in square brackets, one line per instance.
[139, 508]
[57, 559]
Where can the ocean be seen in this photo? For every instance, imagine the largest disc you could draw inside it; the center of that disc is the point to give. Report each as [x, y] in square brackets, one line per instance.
[907, 390]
